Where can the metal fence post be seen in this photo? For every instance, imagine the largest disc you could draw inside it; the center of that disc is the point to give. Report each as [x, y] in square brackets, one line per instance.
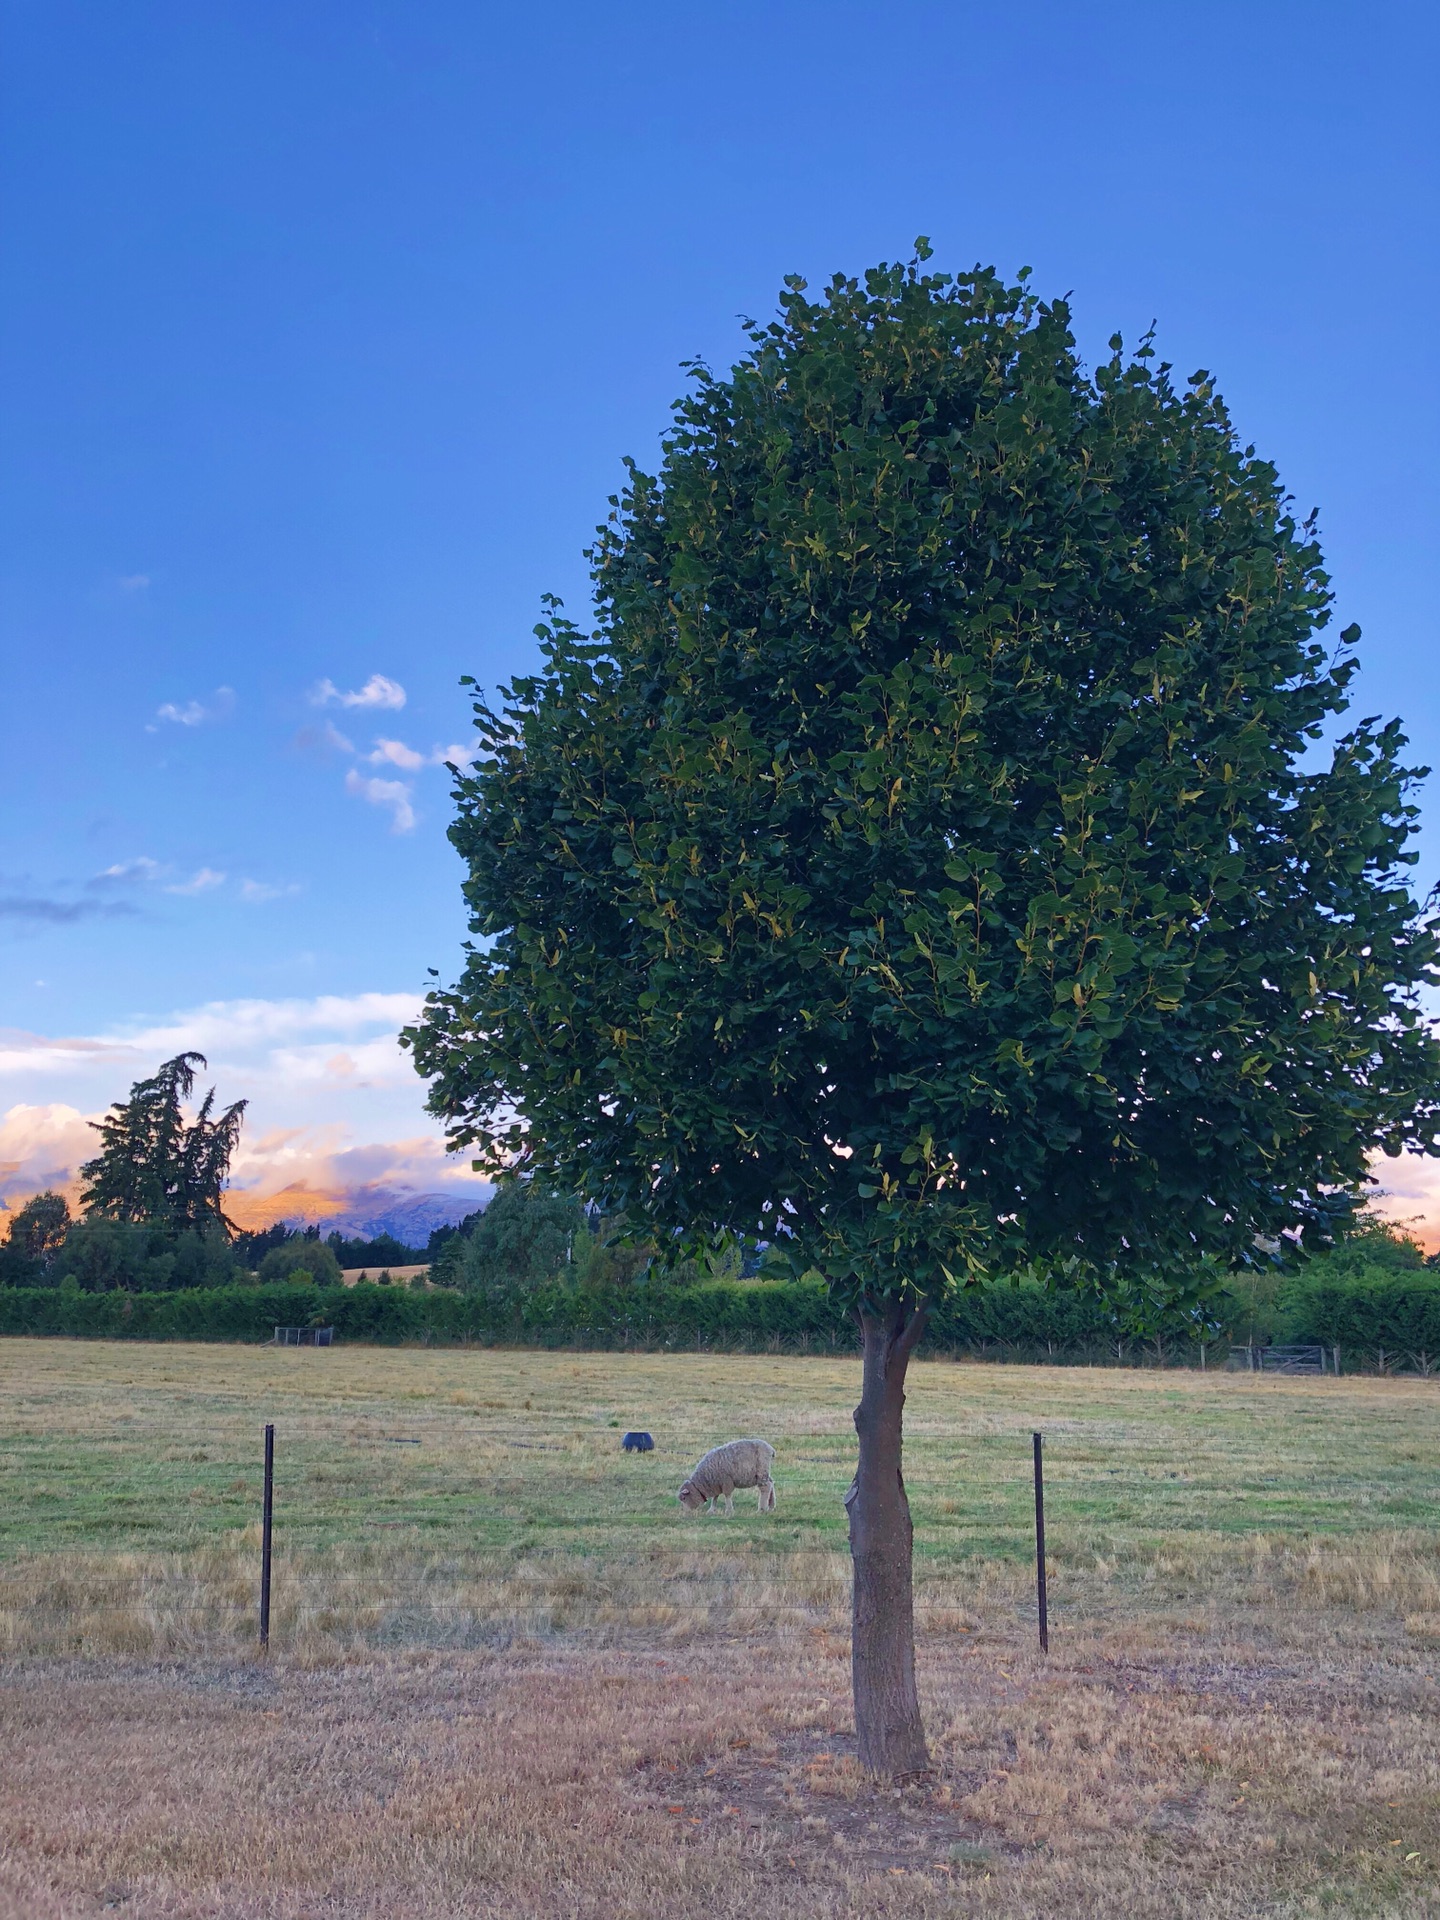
[1040, 1593]
[267, 1516]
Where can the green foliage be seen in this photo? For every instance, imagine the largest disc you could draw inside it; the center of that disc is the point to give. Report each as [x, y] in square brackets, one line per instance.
[301, 1255]
[383, 1251]
[155, 1168]
[1386, 1318]
[522, 1239]
[1018, 1322]
[1390, 1321]
[1371, 1295]
[1375, 1247]
[142, 1257]
[253, 1247]
[925, 865]
[446, 1250]
[1257, 1293]
[37, 1231]
[39, 1227]
[17, 1269]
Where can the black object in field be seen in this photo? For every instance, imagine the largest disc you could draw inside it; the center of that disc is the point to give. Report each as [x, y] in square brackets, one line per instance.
[638, 1443]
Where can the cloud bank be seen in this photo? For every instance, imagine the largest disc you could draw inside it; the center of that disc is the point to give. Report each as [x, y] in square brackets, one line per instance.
[336, 1110]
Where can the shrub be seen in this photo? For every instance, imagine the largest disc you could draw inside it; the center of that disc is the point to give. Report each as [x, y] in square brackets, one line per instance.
[298, 1256]
[383, 1251]
[522, 1240]
[1014, 1322]
[1385, 1319]
[100, 1255]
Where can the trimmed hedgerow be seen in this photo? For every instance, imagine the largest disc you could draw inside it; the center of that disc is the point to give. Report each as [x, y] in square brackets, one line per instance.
[1384, 1320]
[802, 1316]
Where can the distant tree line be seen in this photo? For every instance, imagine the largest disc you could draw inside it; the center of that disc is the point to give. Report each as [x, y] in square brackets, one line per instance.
[1376, 1299]
[539, 1262]
[152, 1216]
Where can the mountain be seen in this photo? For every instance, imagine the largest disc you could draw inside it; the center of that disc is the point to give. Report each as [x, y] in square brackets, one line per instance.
[359, 1212]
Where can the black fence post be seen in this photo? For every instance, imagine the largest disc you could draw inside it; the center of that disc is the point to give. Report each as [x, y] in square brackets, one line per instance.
[1040, 1594]
[267, 1515]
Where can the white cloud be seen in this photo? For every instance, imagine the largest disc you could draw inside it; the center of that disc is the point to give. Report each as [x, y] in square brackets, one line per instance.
[133, 582]
[396, 754]
[274, 1043]
[42, 1146]
[385, 793]
[145, 872]
[457, 756]
[202, 882]
[378, 691]
[129, 873]
[194, 713]
[31, 1053]
[255, 892]
[250, 1023]
[335, 1104]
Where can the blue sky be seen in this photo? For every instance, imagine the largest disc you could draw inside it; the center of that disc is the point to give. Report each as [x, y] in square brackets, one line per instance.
[325, 330]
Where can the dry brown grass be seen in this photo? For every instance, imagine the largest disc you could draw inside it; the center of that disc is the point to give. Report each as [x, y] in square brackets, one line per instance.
[553, 1701]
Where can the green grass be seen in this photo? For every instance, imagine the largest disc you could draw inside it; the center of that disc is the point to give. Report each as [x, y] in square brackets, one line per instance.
[518, 1499]
[1236, 1714]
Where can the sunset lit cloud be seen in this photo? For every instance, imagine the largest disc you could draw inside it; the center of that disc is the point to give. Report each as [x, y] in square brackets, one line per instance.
[335, 1104]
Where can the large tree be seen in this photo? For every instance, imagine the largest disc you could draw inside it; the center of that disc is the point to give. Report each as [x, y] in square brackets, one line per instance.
[932, 860]
[154, 1165]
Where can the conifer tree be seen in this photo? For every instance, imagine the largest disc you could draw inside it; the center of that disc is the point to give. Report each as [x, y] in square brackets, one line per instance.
[155, 1167]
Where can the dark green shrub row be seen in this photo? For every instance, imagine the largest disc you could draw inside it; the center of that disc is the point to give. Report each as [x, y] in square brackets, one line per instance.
[1023, 1321]
[1377, 1319]
[1384, 1321]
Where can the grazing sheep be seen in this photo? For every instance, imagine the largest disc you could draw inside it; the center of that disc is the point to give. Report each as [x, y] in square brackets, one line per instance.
[638, 1443]
[739, 1463]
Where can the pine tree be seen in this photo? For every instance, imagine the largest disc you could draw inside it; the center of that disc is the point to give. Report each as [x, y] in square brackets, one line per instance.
[154, 1167]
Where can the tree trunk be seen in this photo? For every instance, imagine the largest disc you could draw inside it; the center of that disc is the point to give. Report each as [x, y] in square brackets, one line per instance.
[888, 1728]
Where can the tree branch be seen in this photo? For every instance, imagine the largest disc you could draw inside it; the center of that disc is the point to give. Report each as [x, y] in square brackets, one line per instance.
[906, 1341]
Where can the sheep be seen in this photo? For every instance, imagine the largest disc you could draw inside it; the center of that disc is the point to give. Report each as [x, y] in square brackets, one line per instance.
[638, 1443]
[739, 1463]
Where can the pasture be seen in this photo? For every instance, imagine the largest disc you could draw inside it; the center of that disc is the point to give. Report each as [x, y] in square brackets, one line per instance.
[509, 1676]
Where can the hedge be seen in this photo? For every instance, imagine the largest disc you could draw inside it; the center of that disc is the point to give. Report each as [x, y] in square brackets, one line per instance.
[1385, 1321]
[799, 1316]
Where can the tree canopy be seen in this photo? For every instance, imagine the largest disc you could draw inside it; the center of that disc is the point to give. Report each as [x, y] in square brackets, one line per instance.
[933, 857]
[154, 1167]
[522, 1239]
[38, 1229]
[301, 1255]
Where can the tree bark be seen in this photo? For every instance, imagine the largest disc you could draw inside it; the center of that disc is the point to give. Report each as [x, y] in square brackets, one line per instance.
[889, 1731]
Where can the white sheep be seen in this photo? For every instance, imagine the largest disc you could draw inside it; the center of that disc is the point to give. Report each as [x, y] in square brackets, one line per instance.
[739, 1463]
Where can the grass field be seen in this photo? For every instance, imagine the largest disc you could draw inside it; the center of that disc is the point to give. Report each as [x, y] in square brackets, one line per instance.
[509, 1677]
